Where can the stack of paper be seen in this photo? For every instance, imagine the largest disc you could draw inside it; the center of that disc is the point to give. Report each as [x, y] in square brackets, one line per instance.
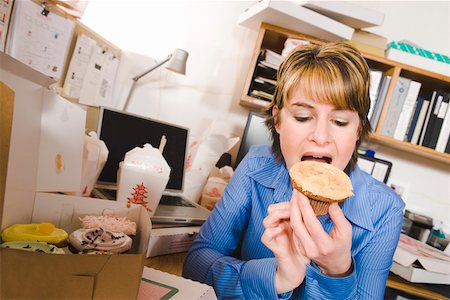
[329, 20]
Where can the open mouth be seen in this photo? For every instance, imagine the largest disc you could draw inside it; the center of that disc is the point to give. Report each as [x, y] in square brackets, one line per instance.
[324, 159]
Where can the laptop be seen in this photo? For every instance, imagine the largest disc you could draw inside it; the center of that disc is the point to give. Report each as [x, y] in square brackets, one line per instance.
[123, 131]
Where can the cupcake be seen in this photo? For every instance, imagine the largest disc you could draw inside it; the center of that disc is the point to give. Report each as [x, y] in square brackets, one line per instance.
[322, 183]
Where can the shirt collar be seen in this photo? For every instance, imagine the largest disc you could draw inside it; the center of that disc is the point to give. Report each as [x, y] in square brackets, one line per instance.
[271, 176]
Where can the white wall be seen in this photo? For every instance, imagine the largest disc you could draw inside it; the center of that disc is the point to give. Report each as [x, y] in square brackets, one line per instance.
[220, 53]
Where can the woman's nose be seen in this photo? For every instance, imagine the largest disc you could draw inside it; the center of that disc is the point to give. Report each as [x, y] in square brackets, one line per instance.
[320, 134]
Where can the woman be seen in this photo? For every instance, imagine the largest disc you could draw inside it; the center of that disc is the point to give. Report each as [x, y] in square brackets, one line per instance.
[262, 240]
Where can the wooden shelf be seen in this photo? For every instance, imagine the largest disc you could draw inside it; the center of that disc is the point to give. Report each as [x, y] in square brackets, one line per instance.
[273, 38]
[410, 148]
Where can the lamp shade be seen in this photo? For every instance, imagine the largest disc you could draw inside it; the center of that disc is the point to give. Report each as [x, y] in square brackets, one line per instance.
[177, 62]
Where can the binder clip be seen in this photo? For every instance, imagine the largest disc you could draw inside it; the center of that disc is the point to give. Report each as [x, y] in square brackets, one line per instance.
[45, 11]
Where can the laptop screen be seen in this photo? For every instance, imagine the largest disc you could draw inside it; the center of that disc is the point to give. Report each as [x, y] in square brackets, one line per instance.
[122, 132]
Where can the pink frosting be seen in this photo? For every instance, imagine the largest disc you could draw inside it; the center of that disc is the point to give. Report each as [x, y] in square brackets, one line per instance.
[118, 224]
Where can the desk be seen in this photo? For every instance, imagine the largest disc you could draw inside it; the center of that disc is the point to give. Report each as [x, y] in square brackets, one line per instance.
[170, 263]
[173, 264]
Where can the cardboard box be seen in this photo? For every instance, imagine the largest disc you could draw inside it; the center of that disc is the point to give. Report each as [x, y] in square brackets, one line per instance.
[416, 261]
[171, 240]
[173, 287]
[37, 275]
[44, 124]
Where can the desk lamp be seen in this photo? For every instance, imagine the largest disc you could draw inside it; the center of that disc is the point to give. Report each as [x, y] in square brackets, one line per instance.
[177, 63]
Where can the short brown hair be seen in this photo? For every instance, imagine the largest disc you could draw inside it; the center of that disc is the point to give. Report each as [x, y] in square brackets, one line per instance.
[332, 73]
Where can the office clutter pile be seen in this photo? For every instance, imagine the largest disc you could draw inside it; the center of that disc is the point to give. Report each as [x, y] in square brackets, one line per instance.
[418, 258]
[203, 154]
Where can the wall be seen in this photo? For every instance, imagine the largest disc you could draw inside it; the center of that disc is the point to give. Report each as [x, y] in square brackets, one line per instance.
[220, 52]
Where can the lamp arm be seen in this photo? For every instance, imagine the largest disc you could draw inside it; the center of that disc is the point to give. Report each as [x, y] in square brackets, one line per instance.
[137, 77]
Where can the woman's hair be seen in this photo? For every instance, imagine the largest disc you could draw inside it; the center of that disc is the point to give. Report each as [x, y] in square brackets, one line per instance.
[332, 73]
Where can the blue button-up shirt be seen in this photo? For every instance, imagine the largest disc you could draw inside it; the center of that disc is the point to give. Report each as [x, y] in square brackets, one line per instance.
[229, 255]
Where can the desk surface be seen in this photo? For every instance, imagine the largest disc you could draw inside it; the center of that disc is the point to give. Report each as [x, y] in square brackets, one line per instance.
[173, 264]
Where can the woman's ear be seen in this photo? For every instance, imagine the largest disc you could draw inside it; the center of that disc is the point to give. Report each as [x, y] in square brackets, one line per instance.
[275, 112]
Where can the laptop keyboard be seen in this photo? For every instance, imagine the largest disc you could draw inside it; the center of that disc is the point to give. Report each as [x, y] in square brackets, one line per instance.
[172, 200]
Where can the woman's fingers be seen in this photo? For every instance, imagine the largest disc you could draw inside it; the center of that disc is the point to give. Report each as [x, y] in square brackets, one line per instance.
[341, 224]
[278, 206]
[276, 213]
[269, 235]
[297, 224]
[312, 224]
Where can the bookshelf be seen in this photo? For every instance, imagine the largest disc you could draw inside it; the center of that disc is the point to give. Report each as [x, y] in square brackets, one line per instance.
[271, 37]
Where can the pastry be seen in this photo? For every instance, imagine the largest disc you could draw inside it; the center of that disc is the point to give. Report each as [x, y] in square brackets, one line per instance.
[100, 239]
[33, 246]
[40, 232]
[118, 224]
[322, 183]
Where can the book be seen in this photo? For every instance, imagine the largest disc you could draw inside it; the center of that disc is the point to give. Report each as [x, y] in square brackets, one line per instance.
[367, 48]
[444, 135]
[290, 15]
[439, 121]
[427, 117]
[432, 119]
[348, 13]
[375, 81]
[420, 121]
[395, 106]
[418, 61]
[380, 101]
[447, 148]
[370, 39]
[414, 118]
[265, 71]
[272, 58]
[407, 109]
[261, 95]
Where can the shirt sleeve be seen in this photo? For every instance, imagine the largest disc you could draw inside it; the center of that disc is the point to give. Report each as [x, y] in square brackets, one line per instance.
[210, 259]
[371, 265]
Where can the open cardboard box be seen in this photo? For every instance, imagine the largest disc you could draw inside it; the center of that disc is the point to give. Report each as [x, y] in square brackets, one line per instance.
[45, 127]
[416, 261]
[37, 275]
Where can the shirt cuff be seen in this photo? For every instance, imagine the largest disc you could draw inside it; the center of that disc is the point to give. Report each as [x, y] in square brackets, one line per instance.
[258, 279]
[321, 286]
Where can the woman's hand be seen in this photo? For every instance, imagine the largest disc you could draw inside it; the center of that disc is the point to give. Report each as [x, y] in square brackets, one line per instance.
[278, 237]
[331, 252]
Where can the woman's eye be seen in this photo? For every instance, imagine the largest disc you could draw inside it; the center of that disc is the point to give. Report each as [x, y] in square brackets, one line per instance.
[303, 119]
[340, 123]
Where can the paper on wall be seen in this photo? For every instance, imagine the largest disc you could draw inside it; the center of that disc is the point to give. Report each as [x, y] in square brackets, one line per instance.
[99, 78]
[78, 66]
[39, 41]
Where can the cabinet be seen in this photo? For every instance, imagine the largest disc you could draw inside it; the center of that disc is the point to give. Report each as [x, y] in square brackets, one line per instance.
[272, 38]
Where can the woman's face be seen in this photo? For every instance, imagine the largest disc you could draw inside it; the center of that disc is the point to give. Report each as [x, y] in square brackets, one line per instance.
[312, 131]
